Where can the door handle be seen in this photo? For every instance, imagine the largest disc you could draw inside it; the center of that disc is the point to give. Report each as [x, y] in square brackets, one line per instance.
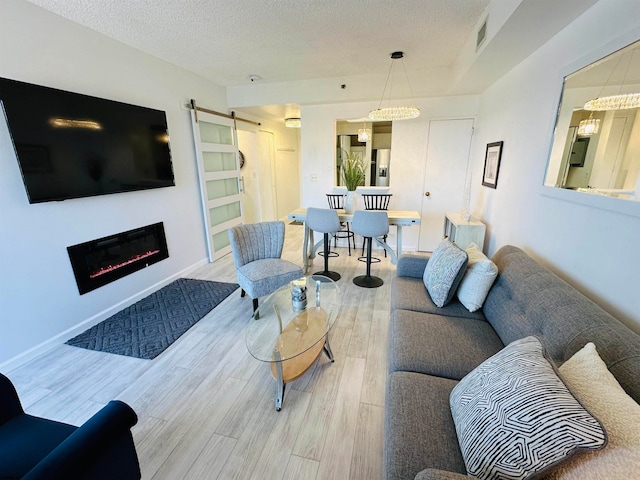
[427, 194]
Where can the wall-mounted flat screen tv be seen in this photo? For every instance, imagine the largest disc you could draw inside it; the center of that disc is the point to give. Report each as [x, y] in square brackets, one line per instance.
[71, 145]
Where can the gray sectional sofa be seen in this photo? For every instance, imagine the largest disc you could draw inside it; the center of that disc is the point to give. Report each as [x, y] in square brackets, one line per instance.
[430, 349]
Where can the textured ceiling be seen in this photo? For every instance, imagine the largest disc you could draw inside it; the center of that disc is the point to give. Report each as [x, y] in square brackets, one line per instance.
[283, 40]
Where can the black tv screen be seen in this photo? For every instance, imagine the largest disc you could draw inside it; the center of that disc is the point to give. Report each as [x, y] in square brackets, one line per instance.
[71, 145]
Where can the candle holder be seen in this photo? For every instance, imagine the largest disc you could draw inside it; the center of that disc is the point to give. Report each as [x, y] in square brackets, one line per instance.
[299, 295]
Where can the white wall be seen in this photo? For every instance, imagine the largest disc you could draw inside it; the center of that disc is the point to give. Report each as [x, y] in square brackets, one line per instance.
[593, 248]
[39, 300]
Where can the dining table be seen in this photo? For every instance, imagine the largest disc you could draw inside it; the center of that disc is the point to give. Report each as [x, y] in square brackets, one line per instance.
[399, 218]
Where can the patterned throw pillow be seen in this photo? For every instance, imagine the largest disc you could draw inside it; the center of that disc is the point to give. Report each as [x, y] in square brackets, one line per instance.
[515, 419]
[444, 271]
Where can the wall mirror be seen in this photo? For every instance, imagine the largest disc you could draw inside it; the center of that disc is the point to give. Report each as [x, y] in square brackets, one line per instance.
[596, 145]
[372, 140]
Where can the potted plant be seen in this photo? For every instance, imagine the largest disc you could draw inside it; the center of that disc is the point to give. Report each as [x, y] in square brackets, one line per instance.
[353, 173]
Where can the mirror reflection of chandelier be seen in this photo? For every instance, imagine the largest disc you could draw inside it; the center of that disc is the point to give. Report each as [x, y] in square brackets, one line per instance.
[588, 127]
[621, 101]
[364, 135]
[614, 102]
[398, 112]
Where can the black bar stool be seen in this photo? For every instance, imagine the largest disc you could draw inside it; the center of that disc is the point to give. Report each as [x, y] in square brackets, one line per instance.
[376, 201]
[325, 221]
[336, 202]
[370, 224]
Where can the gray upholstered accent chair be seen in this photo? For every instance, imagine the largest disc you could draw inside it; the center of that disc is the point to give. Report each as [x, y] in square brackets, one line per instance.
[325, 221]
[256, 251]
[370, 224]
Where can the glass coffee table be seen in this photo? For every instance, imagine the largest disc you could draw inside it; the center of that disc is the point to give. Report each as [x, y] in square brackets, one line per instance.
[291, 333]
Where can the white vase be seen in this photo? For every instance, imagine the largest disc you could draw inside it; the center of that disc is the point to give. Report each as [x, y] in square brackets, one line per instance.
[350, 202]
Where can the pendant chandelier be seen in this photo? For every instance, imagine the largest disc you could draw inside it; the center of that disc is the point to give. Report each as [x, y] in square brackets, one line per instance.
[621, 101]
[364, 133]
[588, 127]
[614, 102]
[397, 112]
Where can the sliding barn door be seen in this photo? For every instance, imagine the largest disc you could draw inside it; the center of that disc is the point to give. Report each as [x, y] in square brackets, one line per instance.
[219, 171]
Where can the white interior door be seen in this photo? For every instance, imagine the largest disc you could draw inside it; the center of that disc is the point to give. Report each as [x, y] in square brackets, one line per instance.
[448, 147]
[219, 172]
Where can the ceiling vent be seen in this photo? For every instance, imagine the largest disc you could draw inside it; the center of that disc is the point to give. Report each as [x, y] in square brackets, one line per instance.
[482, 34]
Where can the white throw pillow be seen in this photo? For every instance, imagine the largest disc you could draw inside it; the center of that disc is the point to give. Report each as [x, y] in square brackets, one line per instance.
[478, 279]
[597, 389]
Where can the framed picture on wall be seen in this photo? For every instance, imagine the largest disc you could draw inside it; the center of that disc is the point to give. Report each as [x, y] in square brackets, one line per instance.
[492, 164]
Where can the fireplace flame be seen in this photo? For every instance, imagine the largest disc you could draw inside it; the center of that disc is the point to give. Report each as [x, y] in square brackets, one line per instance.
[111, 268]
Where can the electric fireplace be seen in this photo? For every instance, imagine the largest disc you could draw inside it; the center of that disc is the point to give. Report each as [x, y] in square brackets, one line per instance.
[104, 260]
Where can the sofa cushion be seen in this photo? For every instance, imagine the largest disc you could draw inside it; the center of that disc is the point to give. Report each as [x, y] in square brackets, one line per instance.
[419, 431]
[587, 377]
[516, 419]
[411, 294]
[447, 347]
[18, 451]
[434, 474]
[254, 277]
[444, 271]
[527, 299]
[477, 280]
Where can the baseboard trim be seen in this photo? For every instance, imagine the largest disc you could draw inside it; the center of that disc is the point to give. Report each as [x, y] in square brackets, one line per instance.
[47, 345]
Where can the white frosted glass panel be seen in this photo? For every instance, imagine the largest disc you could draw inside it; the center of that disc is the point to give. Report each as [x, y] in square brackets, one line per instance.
[220, 240]
[214, 133]
[222, 188]
[224, 213]
[219, 161]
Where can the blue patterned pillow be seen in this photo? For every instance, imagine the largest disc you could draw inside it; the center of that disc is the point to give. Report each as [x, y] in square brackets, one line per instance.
[515, 419]
[444, 271]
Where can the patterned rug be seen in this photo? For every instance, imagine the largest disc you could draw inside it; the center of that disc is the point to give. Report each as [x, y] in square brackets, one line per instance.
[149, 326]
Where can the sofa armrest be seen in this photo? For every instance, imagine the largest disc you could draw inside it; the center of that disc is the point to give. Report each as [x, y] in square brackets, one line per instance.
[412, 265]
[435, 474]
[9, 402]
[105, 435]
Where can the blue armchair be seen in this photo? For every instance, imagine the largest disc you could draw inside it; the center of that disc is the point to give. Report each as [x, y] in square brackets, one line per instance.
[37, 448]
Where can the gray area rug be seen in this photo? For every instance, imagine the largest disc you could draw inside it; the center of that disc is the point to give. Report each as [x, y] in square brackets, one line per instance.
[146, 328]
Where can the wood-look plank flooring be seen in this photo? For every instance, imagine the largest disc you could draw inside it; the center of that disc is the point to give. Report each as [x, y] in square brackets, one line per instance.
[206, 407]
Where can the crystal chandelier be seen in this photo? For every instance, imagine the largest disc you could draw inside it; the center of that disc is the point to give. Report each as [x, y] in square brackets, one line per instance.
[621, 101]
[614, 102]
[398, 112]
[364, 134]
[588, 127]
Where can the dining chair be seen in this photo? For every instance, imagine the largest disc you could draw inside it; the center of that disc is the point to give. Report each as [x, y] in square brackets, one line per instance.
[336, 202]
[257, 249]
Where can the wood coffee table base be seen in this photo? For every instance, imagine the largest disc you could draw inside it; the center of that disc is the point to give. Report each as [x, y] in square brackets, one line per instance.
[289, 370]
